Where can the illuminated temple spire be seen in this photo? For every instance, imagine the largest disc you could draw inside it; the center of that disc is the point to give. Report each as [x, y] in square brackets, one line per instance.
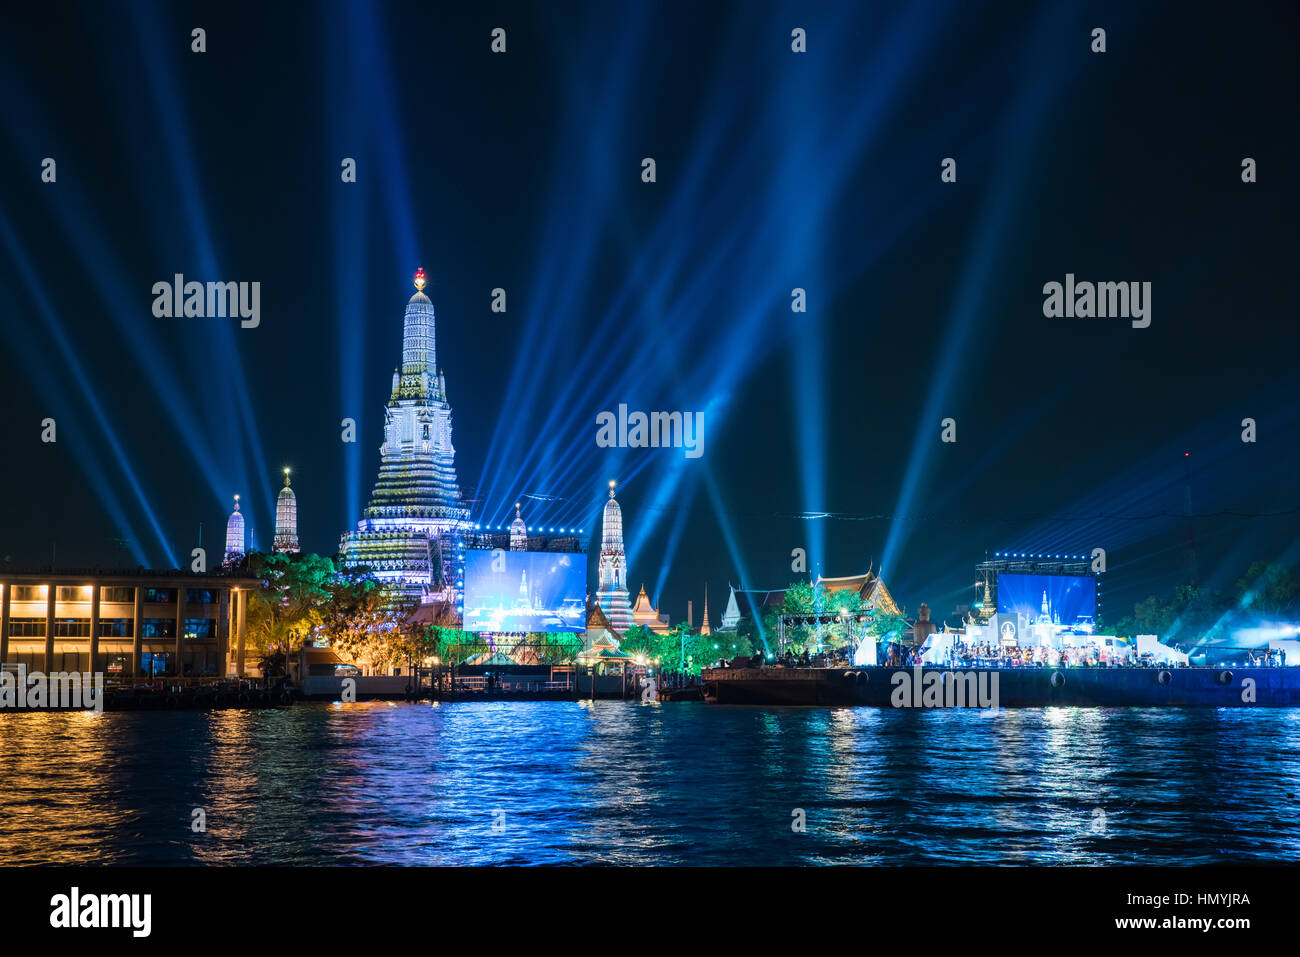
[286, 519]
[612, 594]
[518, 532]
[235, 534]
[416, 503]
[731, 617]
[704, 626]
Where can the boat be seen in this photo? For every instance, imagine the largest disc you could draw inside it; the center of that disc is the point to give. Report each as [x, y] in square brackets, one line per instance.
[928, 686]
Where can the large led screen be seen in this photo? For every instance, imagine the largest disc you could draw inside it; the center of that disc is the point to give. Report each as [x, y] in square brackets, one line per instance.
[508, 591]
[1066, 600]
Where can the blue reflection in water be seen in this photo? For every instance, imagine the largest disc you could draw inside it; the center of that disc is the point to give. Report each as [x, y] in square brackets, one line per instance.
[623, 783]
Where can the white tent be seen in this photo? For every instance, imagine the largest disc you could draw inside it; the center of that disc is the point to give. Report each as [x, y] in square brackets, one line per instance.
[866, 653]
[1150, 644]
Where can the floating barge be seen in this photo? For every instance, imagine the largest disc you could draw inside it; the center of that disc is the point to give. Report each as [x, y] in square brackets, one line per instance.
[1017, 687]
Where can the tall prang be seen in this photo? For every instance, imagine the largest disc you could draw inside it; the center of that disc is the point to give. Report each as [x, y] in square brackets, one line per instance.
[235, 535]
[518, 532]
[286, 520]
[611, 593]
[409, 534]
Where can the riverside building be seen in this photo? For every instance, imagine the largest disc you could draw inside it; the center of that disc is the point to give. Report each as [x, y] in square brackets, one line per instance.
[123, 623]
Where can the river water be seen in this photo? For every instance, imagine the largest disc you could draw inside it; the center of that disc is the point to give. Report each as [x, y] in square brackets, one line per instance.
[616, 782]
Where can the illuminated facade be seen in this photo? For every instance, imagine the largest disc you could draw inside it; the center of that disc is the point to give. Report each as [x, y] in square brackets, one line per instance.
[124, 623]
[286, 520]
[612, 594]
[235, 535]
[518, 532]
[410, 534]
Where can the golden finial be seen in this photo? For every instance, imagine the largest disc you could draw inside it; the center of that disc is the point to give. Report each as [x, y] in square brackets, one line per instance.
[420, 279]
[612, 483]
[286, 476]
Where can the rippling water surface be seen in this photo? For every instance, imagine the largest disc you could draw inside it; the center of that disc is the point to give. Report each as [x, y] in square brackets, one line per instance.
[625, 783]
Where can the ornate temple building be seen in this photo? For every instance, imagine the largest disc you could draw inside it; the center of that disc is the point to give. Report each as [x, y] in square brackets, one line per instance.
[754, 604]
[235, 535]
[645, 614]
[409, 535]
[611, 593]
[600, 645]
[286, 520]
[869, 588]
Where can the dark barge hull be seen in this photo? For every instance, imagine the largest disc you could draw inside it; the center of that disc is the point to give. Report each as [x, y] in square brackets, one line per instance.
[1016, 687]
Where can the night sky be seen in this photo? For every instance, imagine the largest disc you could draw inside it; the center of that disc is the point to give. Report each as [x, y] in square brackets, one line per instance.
[775, 170]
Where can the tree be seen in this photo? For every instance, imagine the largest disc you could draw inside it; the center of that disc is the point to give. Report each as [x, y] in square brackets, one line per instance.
[1269, 589]
[801, 599]
[640, 640]
[362, 623]
[289, 600]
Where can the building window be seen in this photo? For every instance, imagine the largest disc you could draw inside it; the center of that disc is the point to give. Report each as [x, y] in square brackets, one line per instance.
[154, 664]
[200, 596]
[26, 627]
[200, 628]
[159, 628]
[72, 628]
[74, 593]
[118, 594]
[160, 596]
[116, 627]
[30, 593]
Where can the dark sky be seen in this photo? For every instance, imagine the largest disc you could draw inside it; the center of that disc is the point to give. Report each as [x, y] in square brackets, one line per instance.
[775, 170]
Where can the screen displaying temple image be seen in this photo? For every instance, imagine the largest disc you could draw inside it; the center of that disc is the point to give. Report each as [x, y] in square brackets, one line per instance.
[510, 591]
[1065, 600]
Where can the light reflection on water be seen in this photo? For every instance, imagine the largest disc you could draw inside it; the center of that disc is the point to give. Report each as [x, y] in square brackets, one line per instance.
[625, 783]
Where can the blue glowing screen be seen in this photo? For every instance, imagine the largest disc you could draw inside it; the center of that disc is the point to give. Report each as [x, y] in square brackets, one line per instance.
[1061, 599]
[508, 591]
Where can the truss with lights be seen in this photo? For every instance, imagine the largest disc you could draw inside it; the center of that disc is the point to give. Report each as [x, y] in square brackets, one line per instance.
[855, 623]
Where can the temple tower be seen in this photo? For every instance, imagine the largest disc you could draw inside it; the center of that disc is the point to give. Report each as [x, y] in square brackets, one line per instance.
[409, 533]
[611, 595]
[235, 535]
[286, 520]
[518, 532]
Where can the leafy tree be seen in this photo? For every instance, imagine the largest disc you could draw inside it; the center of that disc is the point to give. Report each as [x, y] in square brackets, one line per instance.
[802, 599]
[1269, 589]
[293, 590]
[640, 640]
[362, 623]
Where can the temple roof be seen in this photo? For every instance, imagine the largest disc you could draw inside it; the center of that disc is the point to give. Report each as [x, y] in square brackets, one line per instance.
[868, 586]
[642, 604]
[596, 618]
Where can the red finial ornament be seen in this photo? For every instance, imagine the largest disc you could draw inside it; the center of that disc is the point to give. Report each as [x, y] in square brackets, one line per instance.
[419, 279]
